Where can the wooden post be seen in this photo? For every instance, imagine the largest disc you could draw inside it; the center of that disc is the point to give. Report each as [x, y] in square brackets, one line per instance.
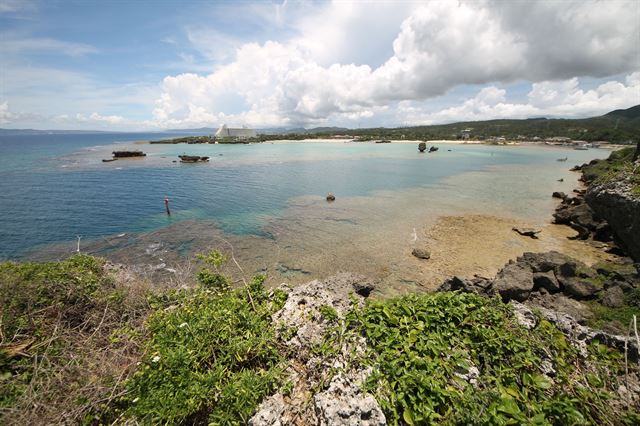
[166, 205]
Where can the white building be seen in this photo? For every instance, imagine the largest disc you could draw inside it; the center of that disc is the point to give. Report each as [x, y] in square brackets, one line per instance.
[241, 133]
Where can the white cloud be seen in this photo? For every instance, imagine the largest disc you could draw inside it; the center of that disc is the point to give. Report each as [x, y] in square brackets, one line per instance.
[549, 99]
[440, 45]
[7, 116]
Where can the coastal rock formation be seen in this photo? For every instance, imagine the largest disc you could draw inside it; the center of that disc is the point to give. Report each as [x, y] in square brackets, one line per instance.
[304, 323]
[557, 285]
[331, 197]
[616, 202]
[555, 281]
[128, 154]
[192, 159]
[422, 146]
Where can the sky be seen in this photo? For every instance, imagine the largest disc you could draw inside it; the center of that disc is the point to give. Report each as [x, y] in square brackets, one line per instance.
[168, 64]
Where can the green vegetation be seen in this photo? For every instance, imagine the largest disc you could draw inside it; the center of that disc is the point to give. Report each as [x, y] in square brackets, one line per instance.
[613, 318]
[212, 358]
[63, 348]
[617, 167]
[621, 126]
[422, 347]
[186, 139]
[79, 347]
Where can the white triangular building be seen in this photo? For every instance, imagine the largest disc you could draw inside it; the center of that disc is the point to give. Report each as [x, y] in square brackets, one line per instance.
[239, 133]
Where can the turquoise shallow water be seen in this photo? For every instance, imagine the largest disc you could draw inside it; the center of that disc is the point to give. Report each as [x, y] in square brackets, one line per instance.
[54, 187]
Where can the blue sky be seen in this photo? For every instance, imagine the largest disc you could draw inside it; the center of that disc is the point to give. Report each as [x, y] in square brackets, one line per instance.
[150, 65]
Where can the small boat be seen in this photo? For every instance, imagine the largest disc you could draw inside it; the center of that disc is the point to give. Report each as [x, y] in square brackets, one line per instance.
[581, 148]
[562, 159]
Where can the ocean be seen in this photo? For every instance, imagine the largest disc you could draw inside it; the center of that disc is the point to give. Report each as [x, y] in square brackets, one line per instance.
[55, 187]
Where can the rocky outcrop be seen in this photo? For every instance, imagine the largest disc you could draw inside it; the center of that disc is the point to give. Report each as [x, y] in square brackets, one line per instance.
[193, 159]
[554, 281]
[128, 154]
[617, 203]
[574, 212]
[304, 321]
[577, 335]
[422, 146]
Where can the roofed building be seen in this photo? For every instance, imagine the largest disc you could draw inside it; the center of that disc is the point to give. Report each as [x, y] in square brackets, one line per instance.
[237, 133]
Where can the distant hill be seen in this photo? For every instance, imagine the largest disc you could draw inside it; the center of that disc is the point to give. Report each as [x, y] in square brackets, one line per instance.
[632, 113]
[621, 126]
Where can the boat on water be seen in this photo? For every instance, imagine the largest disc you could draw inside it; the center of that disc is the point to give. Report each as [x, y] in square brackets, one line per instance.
[581, 148]
[562, 159]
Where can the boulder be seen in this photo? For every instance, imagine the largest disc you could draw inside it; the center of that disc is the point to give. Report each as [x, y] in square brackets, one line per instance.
[421, 253]
[580, 289]
[422, 146]
[514, 282]
[546, 280]
[613, 297]
[543, 262]
[561, 303]
[331, 197]
[476, 285]
[560, 195]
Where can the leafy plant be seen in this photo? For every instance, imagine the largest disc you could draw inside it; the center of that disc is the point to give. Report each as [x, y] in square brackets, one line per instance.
[213, 357]
[452, 358]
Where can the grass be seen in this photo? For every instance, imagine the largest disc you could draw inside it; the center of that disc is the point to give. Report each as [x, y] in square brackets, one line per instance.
[617, 167]
[63, 349]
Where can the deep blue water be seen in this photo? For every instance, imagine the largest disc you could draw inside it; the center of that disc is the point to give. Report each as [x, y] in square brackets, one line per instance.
[54, 187]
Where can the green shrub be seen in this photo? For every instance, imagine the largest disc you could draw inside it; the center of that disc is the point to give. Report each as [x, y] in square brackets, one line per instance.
[213, 357]
[421, 346]
[61, 346]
